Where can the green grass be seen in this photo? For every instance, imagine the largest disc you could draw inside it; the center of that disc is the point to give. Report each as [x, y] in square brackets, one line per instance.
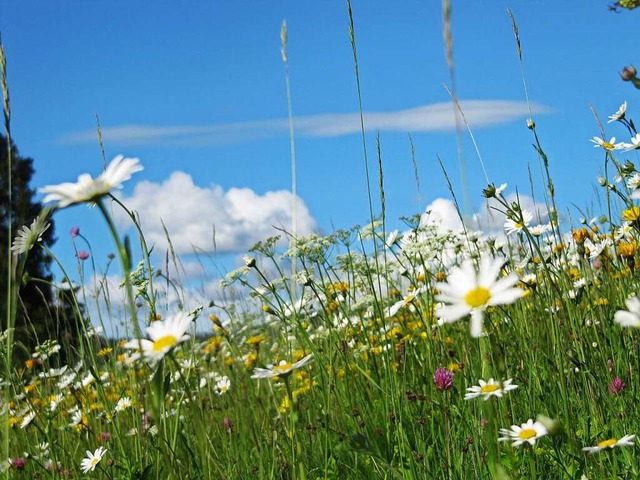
[367, 404]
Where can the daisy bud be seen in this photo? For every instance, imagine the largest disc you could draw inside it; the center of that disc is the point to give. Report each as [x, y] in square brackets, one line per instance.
[628, 73]
[249, 261]
[490, 191]
[628, 168]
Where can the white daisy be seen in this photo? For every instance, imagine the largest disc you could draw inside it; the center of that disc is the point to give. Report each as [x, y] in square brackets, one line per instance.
[27, 237]
[619, 115]
[633, 182]
[76, 417]
[90, 462]
[88, 189]
[164, 336]
[489, 389]
[630, 318]
[527, 432]
[27, 419]
[610, 145]
[625, 441]
[406, 300]
[222, 385]
[123, 404]
[468, 291]
[392, 239]
[501, 189]
[513, 226]
[55, 401]
[283, 369]
[634, 145]
[540, 229]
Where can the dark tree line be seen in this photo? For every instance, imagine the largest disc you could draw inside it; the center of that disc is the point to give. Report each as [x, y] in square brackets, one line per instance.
[42, 312]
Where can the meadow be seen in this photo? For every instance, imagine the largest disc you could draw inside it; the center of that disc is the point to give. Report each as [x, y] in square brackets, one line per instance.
[421, 353]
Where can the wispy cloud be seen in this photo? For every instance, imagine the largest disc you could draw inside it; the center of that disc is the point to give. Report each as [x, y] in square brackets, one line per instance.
[436, 117]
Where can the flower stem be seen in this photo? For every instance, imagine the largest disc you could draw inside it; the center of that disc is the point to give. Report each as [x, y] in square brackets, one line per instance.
[125, 261]
[489, 411]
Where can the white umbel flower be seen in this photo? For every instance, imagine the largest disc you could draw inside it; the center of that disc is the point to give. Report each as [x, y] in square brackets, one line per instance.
[468, 291]
[88, 189]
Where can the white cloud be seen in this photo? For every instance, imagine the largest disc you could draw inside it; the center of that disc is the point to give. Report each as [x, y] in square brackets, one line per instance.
[442, 211]
[426, 118]
[208, 219]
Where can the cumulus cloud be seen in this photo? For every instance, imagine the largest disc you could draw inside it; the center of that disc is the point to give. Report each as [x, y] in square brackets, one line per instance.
[208, 219]
[425, 118]
[443, 212]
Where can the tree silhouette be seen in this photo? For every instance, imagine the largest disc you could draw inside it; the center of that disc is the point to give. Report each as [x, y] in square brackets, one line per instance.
[34, 322]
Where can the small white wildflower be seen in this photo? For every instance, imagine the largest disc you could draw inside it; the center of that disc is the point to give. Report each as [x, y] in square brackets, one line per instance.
[90, 462]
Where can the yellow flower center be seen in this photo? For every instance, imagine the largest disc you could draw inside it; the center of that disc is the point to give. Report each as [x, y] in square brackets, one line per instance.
[167, 341]
[491, 387]
[282, 368]
[607, 443]
[477, 297]
[527, 433]
[608, 145]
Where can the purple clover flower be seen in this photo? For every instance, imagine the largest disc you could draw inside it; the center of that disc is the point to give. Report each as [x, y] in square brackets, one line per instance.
[443, 379]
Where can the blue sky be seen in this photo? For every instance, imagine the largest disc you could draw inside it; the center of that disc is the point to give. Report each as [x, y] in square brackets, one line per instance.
[198, 88]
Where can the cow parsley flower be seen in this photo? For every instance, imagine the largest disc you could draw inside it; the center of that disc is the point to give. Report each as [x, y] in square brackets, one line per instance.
[88, 189]
[468, 291]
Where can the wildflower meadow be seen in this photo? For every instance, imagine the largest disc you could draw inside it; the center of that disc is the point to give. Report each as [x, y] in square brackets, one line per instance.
[417, 353]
